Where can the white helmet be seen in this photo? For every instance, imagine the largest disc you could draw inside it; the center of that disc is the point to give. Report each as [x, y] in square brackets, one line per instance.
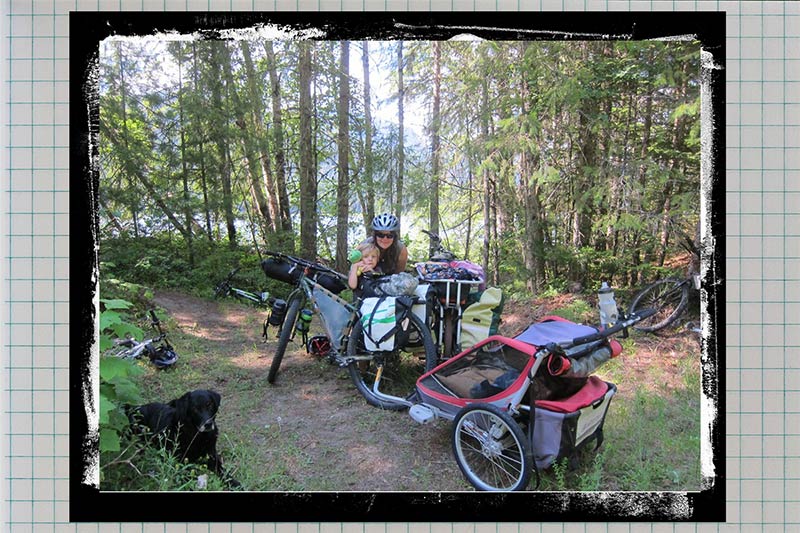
[385, 222]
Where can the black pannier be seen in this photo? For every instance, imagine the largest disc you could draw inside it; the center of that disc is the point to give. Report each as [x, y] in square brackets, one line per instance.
[289, 272]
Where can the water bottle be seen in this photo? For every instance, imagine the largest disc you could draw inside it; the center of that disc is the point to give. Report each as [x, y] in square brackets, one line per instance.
[304, 321]
[608, 307]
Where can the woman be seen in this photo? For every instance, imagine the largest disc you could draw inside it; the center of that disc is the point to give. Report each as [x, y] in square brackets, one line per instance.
[386, 236]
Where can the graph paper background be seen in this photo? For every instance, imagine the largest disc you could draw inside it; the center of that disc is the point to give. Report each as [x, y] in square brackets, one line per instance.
[762, 244]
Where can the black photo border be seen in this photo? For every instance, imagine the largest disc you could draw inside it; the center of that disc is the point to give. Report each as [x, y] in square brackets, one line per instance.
[88, 503]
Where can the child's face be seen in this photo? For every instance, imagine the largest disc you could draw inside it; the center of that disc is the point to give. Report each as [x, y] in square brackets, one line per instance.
[370, 260]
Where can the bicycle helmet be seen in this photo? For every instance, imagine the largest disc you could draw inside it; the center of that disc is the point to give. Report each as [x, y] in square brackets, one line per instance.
[163, 356]
[319, 345]
[385, 222]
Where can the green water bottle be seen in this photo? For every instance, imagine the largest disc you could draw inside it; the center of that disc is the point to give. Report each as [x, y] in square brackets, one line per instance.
[304, 321]
[354, 255]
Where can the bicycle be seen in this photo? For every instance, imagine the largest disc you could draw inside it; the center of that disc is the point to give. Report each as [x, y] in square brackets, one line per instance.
[669, 297]
[379, 372]
[452, 294]
[161, 356]
[225, 288]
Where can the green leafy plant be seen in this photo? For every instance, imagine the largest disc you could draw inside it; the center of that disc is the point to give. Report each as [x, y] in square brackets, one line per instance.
[117, 387]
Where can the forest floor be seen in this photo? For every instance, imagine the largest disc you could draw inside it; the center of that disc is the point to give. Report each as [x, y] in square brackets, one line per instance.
[312, 431]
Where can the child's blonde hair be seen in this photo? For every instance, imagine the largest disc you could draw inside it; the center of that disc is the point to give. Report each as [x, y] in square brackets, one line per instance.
[368, 248]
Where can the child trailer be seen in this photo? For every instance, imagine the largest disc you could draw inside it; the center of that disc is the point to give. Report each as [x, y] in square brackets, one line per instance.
[502, 433]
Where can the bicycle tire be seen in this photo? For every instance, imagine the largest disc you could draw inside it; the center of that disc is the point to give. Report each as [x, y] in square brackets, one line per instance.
[669, 297]
[283, 341]
[362, 371]
[491, 449]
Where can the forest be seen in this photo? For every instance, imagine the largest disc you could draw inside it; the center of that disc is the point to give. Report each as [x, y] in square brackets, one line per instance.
[553, 164]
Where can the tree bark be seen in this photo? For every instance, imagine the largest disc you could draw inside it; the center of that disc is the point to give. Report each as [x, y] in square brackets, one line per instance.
[308, 181]
[435, 140]
[280, 152]
[343, 190]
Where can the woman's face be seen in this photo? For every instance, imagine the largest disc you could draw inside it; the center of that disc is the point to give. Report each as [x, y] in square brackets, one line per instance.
[384, 239]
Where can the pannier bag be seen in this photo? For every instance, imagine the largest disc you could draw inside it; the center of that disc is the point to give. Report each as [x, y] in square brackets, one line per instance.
[481, 318]
[562, 427]
[385, 323]
[288, 272]
[422, 308]
[446, 277]
[378, 317]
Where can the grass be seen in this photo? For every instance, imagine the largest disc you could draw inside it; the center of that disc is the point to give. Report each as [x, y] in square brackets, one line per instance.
[652, 430]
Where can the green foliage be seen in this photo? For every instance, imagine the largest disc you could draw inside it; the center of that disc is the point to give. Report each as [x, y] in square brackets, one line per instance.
[117, 387]
[577, 311]
[154, 262]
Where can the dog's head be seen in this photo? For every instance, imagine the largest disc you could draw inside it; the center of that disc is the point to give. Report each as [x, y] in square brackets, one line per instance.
[198, 408]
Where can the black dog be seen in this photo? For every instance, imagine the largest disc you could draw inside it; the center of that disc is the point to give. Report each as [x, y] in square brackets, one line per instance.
[189, 426]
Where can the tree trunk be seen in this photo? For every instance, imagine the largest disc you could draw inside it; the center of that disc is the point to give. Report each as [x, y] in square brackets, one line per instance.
[187, 206]
[280, 153]
[253, 167]
[262, 137]
[401, 154]
[217, 132]
[308, 181]
[435, 141]
[202, 154]
[369, 179]
[343, 191]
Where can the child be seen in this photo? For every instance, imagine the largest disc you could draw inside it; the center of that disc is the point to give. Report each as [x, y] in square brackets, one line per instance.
[370, 254]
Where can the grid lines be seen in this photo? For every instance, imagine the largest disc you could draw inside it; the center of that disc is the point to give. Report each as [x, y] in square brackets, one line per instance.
[762, 241]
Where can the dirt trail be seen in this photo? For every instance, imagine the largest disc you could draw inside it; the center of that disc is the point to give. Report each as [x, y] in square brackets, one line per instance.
[311, 430]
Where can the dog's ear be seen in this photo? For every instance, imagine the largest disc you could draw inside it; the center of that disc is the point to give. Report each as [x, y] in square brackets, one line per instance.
[181, 405]
[215, 396]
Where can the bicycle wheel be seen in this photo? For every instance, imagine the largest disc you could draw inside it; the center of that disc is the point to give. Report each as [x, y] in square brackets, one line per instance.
[396, 372]
[491, 449]
[449, 333]
[286, 333]
[669, 297]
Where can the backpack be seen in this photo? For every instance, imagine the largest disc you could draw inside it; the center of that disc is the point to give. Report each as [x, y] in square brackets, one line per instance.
[481, 318]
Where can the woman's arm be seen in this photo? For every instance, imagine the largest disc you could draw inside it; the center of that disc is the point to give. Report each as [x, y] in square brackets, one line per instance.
[402, 259]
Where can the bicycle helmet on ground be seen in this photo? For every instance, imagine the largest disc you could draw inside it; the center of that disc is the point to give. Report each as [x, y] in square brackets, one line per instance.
[162, 356]
[319, 345]
[385, 222]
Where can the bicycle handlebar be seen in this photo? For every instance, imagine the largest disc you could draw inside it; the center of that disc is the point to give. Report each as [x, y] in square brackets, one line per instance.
[632, 319]
[305, 263]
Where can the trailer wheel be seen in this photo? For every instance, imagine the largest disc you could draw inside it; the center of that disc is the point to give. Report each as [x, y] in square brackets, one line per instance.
[491, 449]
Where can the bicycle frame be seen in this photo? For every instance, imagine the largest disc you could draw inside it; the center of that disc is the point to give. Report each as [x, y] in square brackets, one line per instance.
[226, 289]
[306, 288]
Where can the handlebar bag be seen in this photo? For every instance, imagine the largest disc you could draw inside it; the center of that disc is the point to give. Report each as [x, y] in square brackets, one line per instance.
[288, 272]
[329, 281]
[281, 270]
